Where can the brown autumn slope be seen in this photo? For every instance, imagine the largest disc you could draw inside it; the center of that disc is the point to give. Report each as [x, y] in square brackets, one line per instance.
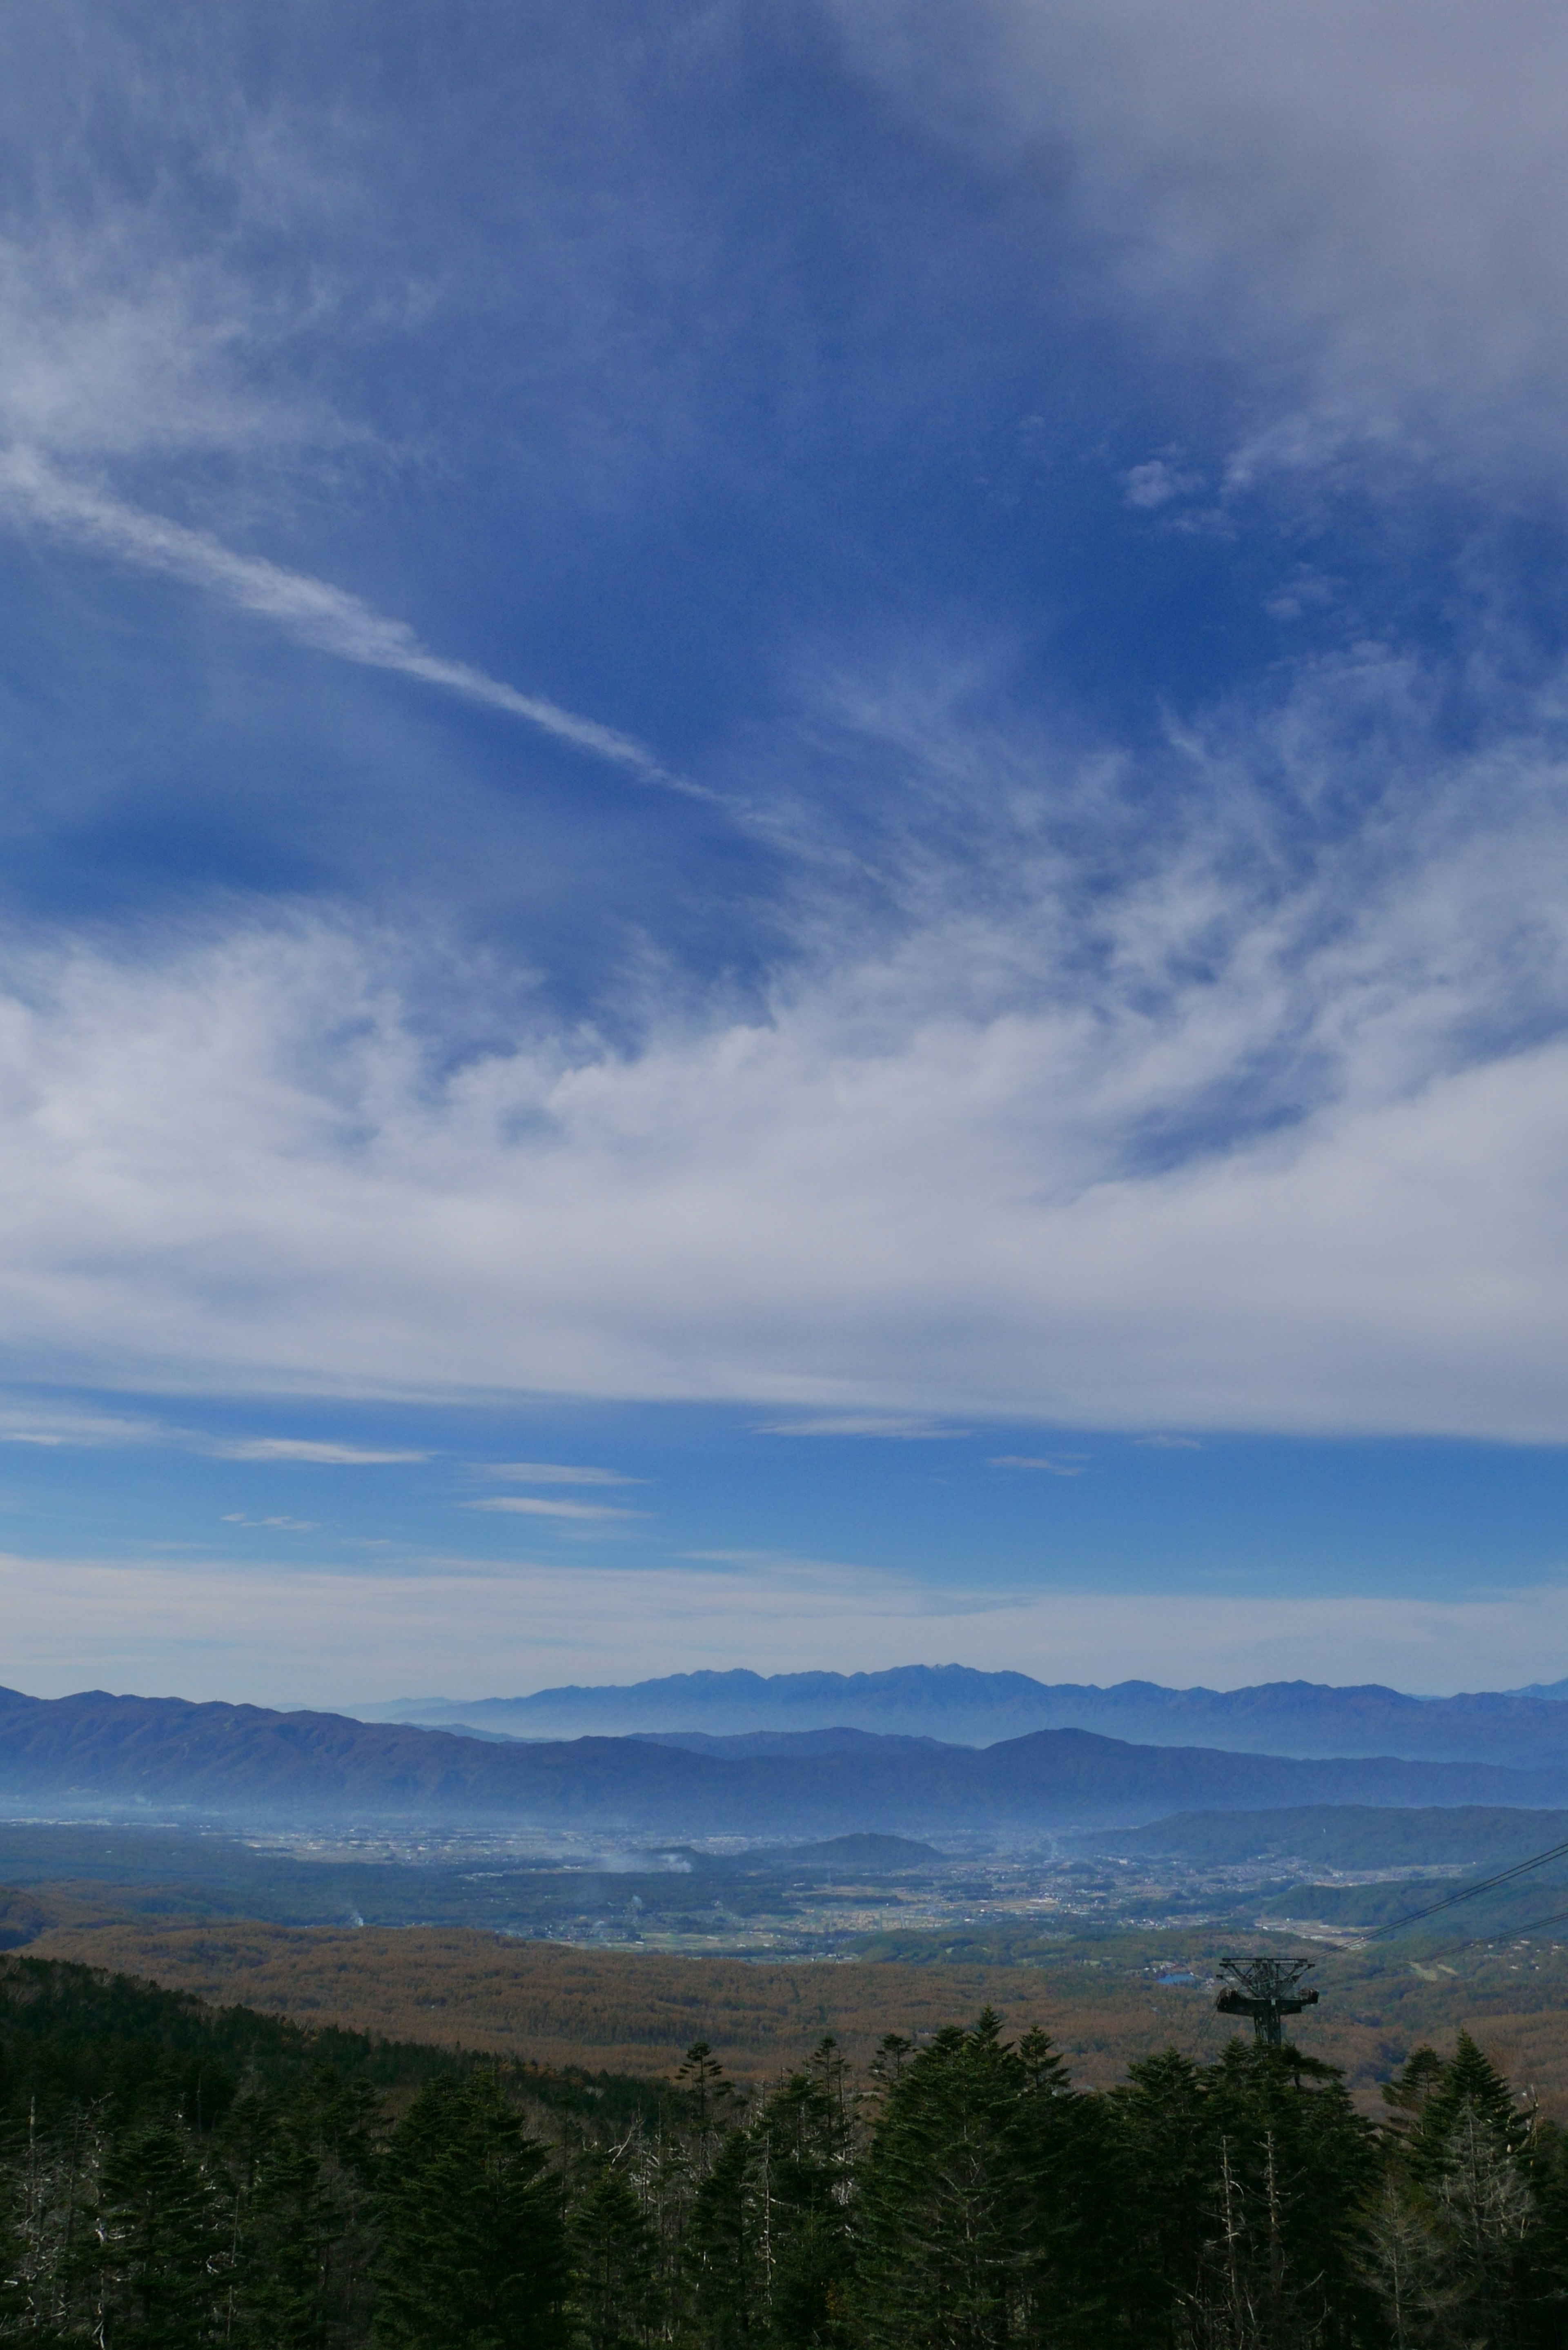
[637, 2012]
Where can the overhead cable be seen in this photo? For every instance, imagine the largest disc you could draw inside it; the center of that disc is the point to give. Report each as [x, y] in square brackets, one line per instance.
[1467, 1892]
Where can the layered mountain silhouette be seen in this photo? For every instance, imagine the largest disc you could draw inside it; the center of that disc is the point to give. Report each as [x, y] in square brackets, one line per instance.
[240, 1760]
[1523, 1728]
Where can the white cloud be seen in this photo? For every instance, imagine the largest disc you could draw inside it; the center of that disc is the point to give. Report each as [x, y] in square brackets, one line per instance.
[1354, 209]
[1071, 1466]
[1154, 483]
[51, 1425]
[118, 342]
[302, 1448]
[1272, 1135]
[311, 610]
[782, 1563]
[1265, 1133]
[285, 1526]
[132, 337]
[552, 1472]
[527, 1506]
[906, 1428]
[280, 1635]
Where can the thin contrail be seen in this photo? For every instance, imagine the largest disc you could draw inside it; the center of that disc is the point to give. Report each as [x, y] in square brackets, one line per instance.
[309, 609]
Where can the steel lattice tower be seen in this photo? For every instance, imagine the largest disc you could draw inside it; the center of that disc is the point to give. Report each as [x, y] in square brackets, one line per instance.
[1265, 1989]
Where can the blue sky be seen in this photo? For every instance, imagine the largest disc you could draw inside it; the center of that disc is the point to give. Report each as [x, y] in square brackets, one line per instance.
[833, 718]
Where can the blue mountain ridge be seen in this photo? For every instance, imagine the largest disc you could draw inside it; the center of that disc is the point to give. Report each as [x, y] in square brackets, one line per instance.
[228, 1761]
[957, 1703]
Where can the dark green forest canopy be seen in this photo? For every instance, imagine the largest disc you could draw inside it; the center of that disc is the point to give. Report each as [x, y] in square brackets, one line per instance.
[72, 2036]
[174, 2176]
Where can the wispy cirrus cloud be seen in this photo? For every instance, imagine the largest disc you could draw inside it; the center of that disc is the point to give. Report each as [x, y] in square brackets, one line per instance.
[310, 611]
[1179, 1150]
[282, 1525]
[53, 1425]
[551, 1473]
[522, 1506]
[905, 1428]
[319, 1452]
[1138, 1084]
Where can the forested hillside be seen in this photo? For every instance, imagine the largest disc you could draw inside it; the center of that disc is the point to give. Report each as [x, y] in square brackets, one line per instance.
[173, 2177]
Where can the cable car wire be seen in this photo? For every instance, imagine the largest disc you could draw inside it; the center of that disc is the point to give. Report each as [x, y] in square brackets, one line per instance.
[1497, 1934]
[1467, 1893]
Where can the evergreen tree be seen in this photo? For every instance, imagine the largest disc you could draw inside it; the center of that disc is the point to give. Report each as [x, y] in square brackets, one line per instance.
[722, 2252]
[803, 2183]
[52, 2186]
[1547, 2296]
[1246, 2215]
[1287, 2197]
[1468, 2087]
[618, 2299]
[1407, 2093]
[159, 2266]
[1407, 2261]
[667, 2174]
[1489, 2216]
[1461, 2204]
[1405, 2265]
[345, 2117]
[709, 2093]
[16, 2299]
[945, 2212]
[1078, 2187]
[288, 2224]
[473, 2243]
[1163, 2112]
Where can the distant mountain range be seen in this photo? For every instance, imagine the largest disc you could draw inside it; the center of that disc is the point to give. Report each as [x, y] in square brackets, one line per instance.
[1524, 1729]
[243, 1761]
